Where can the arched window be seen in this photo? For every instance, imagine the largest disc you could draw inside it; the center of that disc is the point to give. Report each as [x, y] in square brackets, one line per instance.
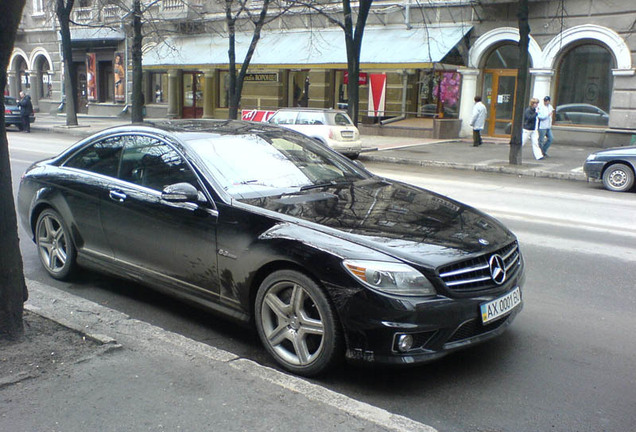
[585, 84]
[503, 57]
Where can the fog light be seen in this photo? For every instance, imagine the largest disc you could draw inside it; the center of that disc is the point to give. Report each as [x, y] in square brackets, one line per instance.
[405, 342]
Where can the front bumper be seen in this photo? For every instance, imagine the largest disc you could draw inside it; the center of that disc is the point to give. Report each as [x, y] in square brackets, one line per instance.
[373, 323]
[593, 169]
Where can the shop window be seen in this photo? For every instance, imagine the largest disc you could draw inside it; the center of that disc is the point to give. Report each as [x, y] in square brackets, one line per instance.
[224, 89]
[159, 85]
[585, 84]
[439, 94]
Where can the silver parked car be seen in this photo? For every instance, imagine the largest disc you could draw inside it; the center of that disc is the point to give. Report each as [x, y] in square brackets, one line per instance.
[333, 128]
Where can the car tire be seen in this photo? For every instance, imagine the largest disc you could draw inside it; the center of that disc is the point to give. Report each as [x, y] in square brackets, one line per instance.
[55, 247]
[618, 177]
[297, 324]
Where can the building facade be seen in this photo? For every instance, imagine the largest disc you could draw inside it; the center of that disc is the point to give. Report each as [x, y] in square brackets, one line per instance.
[419, 60]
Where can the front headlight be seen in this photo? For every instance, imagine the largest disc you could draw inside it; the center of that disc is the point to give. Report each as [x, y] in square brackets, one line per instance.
[591, 157]
[391, 278]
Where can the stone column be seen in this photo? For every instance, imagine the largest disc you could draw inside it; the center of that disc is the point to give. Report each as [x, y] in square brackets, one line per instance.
[12, 83]
[542, 82]
[469, 90]
[173, 94]
[35, 78]
[208, 93]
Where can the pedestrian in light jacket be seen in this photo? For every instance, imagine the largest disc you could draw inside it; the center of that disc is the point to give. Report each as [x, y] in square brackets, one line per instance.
[530, 132]
[478, 120]
[546, 113]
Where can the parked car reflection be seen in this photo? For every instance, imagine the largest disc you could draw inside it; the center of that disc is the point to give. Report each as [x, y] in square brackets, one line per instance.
[583, 114]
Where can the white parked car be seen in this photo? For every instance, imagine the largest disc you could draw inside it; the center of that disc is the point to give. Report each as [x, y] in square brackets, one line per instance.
[329, 126]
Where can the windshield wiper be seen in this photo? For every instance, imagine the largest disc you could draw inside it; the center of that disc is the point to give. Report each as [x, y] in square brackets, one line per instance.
[331, 183]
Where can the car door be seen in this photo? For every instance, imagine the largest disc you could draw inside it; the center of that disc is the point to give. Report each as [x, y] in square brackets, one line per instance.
[173, 244]
[87, 177]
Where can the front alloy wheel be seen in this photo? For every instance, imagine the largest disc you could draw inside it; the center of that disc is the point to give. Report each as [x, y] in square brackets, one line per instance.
[297, 324]
[55, 248]
[618, 178]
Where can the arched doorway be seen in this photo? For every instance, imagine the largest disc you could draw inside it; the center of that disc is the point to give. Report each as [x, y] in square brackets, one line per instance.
[499, 88]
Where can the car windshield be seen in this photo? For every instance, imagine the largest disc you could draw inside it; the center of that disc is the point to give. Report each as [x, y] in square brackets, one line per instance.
[249, 166]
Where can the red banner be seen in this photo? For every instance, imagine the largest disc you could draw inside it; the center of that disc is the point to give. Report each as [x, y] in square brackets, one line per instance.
[256, 115]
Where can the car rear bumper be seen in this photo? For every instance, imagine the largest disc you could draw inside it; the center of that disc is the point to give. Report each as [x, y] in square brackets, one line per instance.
[346, 147]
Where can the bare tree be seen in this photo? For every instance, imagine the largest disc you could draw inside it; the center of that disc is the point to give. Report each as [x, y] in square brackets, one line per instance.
[235, 10]
[521, 96]
[13, 291]
[353, 41]
[63, 10]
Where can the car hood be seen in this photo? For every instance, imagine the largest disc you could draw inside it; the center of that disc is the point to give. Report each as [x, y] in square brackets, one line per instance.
[401, 220]
[617, 151]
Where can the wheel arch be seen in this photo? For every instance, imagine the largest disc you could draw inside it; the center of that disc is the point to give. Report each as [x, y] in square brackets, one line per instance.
[628, 163]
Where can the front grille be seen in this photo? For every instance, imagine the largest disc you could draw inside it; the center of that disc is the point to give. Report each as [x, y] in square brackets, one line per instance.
[474, 274]
[474, 328]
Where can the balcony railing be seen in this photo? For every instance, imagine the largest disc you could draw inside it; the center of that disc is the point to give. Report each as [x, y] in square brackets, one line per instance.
[83, 15]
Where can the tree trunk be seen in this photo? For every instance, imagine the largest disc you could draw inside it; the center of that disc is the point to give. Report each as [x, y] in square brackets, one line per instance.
[353, 43]
[138, 101]
[515, 155]
[63, 12]
[13, 291]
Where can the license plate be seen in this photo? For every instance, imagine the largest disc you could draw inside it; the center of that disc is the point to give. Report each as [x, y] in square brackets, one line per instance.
[499, 307]
[347, 134]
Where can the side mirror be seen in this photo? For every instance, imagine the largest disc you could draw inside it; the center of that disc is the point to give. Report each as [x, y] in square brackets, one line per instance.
[180, 192]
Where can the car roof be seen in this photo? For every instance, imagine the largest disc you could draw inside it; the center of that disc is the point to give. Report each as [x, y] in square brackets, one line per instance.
[333, 110]
[210, 126]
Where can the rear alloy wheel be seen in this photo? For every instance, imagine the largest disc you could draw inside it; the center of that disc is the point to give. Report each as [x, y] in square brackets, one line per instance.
[297, 324]
[618, 178]
[55, 247]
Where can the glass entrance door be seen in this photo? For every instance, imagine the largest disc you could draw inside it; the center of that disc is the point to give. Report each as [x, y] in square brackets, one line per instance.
[192, 95]
[500, 87]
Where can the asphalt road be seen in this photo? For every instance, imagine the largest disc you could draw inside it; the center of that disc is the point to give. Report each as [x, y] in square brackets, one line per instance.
[568, 363]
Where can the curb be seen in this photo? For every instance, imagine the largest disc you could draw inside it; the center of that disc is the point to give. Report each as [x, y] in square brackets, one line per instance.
[94, 321]
[503, 169]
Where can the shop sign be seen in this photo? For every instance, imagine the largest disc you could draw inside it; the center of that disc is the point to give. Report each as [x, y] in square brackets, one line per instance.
[363, 78]
[261, 77]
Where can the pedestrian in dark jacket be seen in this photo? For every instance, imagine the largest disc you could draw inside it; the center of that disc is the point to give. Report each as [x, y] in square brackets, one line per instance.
[530, 132]
[26, 109]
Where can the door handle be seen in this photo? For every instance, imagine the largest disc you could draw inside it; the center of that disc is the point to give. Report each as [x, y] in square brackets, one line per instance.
[117, 196]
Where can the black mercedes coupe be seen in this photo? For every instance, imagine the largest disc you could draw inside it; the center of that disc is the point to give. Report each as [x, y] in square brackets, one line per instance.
[276, 230]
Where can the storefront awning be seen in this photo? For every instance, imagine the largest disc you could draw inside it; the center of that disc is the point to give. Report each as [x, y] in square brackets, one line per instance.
[381, 46]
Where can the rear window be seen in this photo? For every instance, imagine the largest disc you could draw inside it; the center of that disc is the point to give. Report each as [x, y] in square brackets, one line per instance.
[10, 100]
[342, 120]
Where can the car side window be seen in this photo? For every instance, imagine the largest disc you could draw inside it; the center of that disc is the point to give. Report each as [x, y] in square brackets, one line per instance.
[283, 117]
[152, 163]
[310, 118]
[101, 157]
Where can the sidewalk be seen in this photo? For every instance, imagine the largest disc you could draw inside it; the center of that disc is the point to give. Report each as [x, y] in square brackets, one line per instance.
[565, 161]
[145, 378]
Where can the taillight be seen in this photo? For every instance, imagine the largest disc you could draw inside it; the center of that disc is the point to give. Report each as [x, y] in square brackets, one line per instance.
[331, 134]
[7, 111]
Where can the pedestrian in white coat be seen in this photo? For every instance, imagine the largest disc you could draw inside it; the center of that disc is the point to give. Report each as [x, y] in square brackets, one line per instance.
[478, 120]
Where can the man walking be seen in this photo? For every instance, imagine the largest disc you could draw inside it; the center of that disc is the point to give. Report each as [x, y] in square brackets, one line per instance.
[26, 109]
[530, 128]
[478, 120]
[546, 114]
